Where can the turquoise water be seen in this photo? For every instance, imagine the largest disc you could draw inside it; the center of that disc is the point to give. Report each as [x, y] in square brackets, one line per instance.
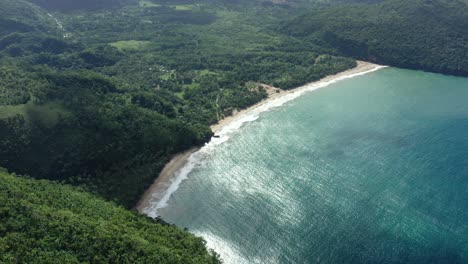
[372, 169]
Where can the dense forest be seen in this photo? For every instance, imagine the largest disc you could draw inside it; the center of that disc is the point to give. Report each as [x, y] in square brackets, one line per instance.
[102, 99]
[72, 5]
[430, 35]
[45, 222]
[100, 94]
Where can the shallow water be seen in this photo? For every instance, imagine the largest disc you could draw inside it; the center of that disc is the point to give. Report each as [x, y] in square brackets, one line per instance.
[372, 169]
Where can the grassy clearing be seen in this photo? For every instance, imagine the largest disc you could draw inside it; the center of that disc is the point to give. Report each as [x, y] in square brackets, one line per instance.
[124, 45]
[191, 86]
[48, 114]
[146, 3]
[167, 76]
[130, 44]
[183, 7]
[7, 111]
[180, 94]
[235, 32]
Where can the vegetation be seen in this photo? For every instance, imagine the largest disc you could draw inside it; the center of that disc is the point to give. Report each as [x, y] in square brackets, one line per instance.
[44, 222]
[112, 142]
[100, 94]
[20, 16]
[72, 5]
[422, 34]
[114, 93]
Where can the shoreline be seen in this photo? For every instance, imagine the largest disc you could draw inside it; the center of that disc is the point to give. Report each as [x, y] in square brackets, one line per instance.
[362, 66]
[162, 183]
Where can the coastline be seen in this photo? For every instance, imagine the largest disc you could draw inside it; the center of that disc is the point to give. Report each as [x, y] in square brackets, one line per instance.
[162, 183]
[362, 66]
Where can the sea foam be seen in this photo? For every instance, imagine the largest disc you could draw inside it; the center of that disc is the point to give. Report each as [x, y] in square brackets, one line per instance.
[160, 200]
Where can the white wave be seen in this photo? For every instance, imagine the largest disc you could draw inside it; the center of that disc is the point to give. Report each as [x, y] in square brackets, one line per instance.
[253, 115]
[231, 128]
[227, 251]
[174, 183]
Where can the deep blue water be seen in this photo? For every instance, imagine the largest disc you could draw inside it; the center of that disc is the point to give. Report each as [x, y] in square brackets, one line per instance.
[372, 169]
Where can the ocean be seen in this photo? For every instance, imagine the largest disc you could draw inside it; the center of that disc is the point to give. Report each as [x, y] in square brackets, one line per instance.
[370, 169]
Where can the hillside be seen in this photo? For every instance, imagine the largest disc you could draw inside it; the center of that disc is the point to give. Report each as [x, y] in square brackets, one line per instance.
[21, 16]
[120, 91]
[44, 222]
[423, 34]
[100, 94]
[72, 5]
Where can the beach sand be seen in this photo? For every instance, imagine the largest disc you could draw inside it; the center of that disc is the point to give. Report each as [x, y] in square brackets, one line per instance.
[362, 66]
[164, 180]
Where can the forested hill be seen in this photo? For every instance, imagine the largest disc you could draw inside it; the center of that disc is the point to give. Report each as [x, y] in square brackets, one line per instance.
[102, 99]
[421, 34]
[20, 16]
[73, 5]
[44, 222]
[100, 94]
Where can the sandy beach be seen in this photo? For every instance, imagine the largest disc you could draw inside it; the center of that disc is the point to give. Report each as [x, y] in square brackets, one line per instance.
[163, 182]
[362, 66]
